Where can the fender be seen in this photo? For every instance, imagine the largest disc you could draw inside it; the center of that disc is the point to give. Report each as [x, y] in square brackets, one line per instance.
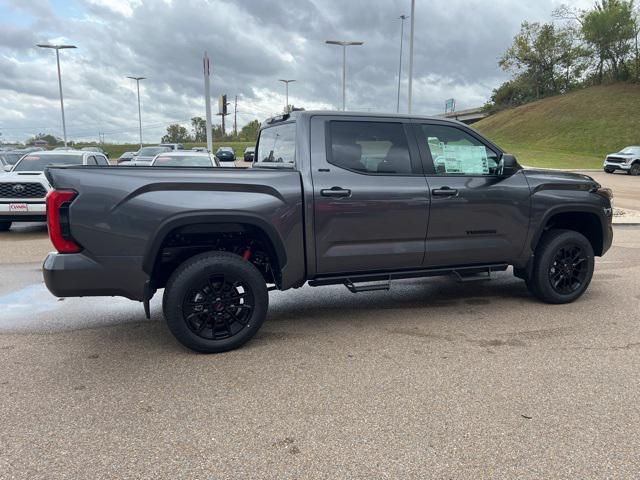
[570, 208]
[190, 218]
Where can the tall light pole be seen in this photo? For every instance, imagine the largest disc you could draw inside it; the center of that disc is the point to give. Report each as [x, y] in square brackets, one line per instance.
[286, 83]
[413, 21]
[137, 79]
[402, 19]
[344, 46]
[57, 48]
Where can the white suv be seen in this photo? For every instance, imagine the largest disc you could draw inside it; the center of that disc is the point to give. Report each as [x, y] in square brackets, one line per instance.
[627, 160]
[24, 187]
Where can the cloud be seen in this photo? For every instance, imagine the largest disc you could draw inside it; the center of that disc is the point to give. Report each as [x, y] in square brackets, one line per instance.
[252, 43]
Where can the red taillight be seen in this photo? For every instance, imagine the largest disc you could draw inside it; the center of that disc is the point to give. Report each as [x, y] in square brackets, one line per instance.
[58, 202]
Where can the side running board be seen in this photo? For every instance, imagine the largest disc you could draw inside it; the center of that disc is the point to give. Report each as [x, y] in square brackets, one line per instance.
[369, 282]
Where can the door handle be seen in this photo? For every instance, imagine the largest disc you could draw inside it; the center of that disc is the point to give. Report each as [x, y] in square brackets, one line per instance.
[444, 192]
[336, 192]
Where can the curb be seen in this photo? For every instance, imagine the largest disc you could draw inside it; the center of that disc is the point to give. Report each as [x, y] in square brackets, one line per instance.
[563, 169]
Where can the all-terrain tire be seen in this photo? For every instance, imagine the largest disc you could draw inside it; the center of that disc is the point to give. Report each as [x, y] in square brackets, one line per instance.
[635, 169]
[563, 267]
[609, 170]
[215, 302]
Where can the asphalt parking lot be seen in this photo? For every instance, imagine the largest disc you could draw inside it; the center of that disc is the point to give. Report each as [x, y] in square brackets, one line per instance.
[433, 379]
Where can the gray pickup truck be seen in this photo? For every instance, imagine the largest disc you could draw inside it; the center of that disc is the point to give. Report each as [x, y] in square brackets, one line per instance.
[332, 198]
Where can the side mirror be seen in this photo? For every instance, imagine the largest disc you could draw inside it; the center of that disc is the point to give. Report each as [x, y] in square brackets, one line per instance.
[7, 168]
[510, 164]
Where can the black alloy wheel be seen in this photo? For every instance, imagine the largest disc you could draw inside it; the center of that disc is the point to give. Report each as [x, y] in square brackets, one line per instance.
[220, 308]
[215, 302]
[568, 271]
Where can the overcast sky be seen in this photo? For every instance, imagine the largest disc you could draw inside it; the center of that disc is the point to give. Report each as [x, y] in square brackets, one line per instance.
[252, 44]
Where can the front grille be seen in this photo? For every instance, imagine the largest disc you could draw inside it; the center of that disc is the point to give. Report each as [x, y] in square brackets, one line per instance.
[22, 190]
[616, 160]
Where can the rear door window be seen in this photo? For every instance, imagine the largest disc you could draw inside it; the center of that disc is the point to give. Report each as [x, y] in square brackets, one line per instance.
[277, 144]
[375, 148]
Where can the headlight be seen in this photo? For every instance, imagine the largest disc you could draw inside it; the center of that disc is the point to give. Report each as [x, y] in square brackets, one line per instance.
[606, 193]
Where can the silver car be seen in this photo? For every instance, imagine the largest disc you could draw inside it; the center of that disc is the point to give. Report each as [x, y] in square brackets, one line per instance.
[185, 158]
[145, 156]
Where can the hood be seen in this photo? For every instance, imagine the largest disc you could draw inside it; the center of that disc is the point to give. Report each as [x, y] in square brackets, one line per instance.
[620, 154]
[24, 177]
[558, 179]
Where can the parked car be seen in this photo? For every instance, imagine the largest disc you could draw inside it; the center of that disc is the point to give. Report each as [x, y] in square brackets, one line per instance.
[11, 157]
[126, 157]
[95, 149]
[333, 198]
[24, 188]
[249, 154]
[226, 155]
[173, 146]
[185, 158]
[627, 160]
[64, 148]
[199, 149]
[145, 156]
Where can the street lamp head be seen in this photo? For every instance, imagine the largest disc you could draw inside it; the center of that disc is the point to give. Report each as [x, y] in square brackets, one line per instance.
[56, 47]
[343, 43]
[286, 81]
[403, 17]
[137, 78]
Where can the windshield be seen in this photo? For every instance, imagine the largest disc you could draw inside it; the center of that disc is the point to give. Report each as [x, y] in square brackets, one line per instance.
[632, 150]
[152, 151]
[225, 149]
[277, 144]
[182, 161]
[11, 158]
[37, 163]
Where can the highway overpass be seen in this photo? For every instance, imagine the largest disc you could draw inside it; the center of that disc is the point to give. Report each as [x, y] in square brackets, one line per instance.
[468, 116]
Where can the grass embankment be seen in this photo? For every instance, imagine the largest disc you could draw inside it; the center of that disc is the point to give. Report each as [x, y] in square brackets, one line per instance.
[575, 130]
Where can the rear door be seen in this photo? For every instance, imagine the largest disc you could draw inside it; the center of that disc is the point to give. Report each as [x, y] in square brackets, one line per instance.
[371, 201]
[477, 215]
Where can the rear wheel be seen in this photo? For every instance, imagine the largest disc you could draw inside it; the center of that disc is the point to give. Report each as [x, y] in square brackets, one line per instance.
[563, 267]
[5, 226]
[635, 169]
[215, 302]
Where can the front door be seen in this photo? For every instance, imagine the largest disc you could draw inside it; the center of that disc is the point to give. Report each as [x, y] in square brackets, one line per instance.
[371, 201]
[477, 215]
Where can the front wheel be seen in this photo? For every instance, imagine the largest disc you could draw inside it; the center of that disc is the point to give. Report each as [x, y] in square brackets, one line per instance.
[608, 170]
[563, 267]
[215, 302]
[5, 226]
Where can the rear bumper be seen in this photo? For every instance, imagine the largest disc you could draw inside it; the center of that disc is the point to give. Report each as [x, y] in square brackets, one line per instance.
[78, 275]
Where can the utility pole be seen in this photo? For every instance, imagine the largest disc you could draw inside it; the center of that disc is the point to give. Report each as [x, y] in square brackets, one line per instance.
[344, 46]
[235, 118]
[137, 79]
[57, 48]
[286, 94]
[207, 101]
[413, 22]
[402, 19]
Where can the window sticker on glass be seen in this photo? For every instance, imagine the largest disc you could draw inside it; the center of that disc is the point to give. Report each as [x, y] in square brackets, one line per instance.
[465, 159]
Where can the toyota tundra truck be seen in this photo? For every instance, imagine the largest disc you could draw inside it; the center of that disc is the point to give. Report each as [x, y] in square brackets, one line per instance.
[332, 198]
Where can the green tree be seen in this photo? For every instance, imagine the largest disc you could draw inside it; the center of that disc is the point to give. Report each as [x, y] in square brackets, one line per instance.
[199, 126]
[176, 133]
[609, 29]
[544, 57]
[51, 140]
[250, 131]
